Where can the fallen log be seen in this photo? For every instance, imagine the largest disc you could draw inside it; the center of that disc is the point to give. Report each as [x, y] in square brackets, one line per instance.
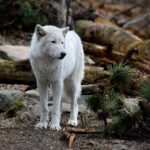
[20, 72]
[90, 89]
[94, 88]
[122, 45]
[94, 74]
[124, 11]
[134, 57]
[94, 49]
[139, 25]
[105, 34]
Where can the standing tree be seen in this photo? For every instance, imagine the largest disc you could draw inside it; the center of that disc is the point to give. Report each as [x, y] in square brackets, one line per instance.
[56, 11]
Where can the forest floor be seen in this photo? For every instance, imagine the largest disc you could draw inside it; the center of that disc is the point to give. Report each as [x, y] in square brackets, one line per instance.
[18, 135]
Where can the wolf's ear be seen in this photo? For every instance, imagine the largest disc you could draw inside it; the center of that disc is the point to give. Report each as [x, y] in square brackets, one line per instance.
[39, 31]
[65, 30]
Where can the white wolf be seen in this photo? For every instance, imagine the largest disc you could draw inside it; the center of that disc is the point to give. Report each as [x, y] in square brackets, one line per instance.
[57, 58]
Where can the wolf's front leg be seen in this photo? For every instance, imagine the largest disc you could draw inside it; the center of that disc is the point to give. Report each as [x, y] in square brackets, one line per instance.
[57, 89]
[44, 118]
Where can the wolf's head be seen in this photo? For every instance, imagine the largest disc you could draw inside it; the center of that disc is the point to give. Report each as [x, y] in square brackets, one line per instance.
[51, 40]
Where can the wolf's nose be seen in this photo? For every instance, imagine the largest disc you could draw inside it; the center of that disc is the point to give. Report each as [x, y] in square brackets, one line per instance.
[63, 54]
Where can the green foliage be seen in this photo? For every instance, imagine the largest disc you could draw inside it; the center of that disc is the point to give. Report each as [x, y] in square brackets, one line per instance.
[111, 101]
[122, 76]
[144, 90]
[94, 103]
[121, 119]
[31, 16]
[119, 123]
[114, 100]
[22, 14]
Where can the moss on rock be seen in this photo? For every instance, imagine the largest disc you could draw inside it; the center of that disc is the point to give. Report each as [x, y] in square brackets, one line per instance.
[13, 110]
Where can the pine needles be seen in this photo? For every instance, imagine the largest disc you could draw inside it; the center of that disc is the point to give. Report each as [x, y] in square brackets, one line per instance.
[122, 76]
[94, 103]
[113, 100]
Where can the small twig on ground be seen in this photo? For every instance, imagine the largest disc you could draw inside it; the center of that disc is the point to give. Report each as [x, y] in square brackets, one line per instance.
[81, 131]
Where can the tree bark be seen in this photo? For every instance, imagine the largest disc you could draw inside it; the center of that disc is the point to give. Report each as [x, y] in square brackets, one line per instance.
[55, 11]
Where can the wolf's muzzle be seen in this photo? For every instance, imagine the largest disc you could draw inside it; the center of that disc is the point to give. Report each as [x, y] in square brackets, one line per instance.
[63, 54]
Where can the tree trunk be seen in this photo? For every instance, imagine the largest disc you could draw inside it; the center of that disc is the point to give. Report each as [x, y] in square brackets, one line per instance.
[55, 11]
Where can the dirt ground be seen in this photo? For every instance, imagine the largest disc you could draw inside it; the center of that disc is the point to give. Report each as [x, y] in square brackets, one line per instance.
[30, 139]
[21, 135]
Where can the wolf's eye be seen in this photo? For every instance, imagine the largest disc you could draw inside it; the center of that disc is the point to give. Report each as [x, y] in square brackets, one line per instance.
[62, 42]
[53, 41]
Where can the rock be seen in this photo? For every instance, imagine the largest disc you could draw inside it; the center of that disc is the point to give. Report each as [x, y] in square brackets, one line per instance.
[35, 94]
[119, 147]
[35, 110]
[33, 103]
[8, 98]
[93, 143]
[65, 108]
[13, 52]
[16, 108]
[81, 100]
[32, 109]
[132, 104]
[83, 109]
[32, 94]
[26, 116]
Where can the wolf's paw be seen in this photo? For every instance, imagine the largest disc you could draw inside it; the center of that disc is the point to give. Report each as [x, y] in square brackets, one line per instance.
[55, 127]
[41, 125]
[73, 122]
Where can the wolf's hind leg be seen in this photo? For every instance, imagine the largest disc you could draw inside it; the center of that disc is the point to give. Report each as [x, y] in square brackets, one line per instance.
[74, 89]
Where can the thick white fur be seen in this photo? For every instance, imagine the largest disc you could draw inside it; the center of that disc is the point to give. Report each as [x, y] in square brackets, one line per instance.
[63, 75]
